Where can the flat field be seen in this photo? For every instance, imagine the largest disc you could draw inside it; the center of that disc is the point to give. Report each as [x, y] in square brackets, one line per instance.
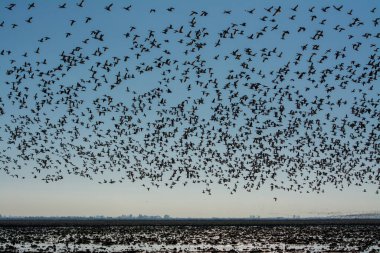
[190, 235]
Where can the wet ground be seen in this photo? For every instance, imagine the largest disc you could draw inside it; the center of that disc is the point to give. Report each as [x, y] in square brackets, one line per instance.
[189, 236]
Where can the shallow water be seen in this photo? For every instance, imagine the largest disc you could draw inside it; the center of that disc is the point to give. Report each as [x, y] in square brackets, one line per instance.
[316, 238]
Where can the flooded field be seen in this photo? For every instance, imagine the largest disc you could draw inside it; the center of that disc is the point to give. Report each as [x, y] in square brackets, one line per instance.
[88, 236]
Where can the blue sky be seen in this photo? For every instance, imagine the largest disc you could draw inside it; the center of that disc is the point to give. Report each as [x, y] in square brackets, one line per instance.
[79, 196]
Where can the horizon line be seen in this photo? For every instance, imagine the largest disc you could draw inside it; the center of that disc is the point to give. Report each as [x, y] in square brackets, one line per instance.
[375, 215]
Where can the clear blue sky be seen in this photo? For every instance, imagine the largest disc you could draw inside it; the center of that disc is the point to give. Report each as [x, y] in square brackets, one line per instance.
[79, 196]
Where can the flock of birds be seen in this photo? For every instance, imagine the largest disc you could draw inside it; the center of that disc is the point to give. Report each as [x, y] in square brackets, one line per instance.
[288, 98]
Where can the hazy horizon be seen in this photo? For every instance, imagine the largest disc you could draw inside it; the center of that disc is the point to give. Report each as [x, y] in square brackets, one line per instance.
[71, 198]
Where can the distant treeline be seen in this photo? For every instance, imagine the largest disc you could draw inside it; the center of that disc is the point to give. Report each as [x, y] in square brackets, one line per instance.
[186, 222]
[122, 217]
[99, 217]
[158, 218]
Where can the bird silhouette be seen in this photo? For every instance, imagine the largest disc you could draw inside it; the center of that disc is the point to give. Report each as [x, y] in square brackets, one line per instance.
[249, 103]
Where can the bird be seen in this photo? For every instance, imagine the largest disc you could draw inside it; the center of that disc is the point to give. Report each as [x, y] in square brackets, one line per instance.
[10, 6]
[249, 103]
[127, 8]
[31, 6]
[80, 4]
[108, 7]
